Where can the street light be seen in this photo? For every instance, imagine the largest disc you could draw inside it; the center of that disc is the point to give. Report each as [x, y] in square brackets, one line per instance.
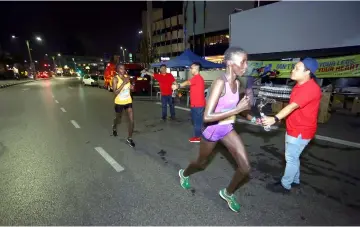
[123, 52]
[124, 55]
[46, 55]
[29, 50]
[36, 61]
[59, 55]
[140, 32]
[74, 64]
[13, 36]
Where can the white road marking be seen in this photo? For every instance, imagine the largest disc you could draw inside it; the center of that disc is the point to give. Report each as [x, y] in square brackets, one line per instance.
[109, 159]
[76, 125]
[25, 89]
[338, 141]
[70, 87]
[56, 101]
[318, 137]
[53, 96]
[63, 110]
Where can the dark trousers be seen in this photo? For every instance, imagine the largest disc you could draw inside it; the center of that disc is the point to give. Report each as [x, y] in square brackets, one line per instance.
[197, 115]
[167, 100]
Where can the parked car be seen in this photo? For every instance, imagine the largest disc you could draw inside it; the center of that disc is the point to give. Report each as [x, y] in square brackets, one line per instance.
[91, 80]
[101, 82]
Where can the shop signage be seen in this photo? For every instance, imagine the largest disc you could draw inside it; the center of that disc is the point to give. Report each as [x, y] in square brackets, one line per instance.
[346, 66]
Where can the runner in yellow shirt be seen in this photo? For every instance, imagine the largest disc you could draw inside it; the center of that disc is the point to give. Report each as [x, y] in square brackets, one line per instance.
[123, 101]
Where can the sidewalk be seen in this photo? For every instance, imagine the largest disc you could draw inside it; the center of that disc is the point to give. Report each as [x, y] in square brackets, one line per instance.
[342, 129]
[329, 171]
[7, 83]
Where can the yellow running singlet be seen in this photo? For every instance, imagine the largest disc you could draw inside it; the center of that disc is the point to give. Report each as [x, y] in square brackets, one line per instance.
[124, 97]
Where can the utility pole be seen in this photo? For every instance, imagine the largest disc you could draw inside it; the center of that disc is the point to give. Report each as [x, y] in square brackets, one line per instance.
[32, 66]
[149, 21]
[53, 58]
[149, 35]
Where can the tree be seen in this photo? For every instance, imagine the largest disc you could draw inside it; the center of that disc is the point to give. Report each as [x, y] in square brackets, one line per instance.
[147, 51]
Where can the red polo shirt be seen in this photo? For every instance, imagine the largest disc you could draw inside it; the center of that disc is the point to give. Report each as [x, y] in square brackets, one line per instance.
[303, 120]
[197, 91]
[165, 82]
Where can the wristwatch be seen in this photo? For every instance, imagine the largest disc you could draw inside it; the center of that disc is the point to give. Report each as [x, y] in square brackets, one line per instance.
[276, 119]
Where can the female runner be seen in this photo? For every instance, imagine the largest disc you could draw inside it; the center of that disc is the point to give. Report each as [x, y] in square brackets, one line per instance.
[219, 116]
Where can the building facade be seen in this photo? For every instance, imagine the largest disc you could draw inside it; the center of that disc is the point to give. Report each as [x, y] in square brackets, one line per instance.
[207, 25]
[167, 35]
[297, 34]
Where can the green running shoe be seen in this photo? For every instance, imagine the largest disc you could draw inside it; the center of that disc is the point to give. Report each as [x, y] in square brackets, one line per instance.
[230, 199]
[184, 181]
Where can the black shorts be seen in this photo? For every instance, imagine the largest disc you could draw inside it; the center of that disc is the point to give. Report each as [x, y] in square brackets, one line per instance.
[120, 108]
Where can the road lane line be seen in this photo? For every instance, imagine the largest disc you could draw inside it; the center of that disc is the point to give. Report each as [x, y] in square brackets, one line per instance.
[109, 159]
[70, 87]
[76, 125]
[56, 101]
[318, 137]
[63, 110]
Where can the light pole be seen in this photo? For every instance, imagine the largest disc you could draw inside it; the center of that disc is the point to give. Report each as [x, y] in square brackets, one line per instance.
[123, 50]
[28, 47]
[53, 58]
[124, 55]
[59, 55]
[32, 66]
[74, 64]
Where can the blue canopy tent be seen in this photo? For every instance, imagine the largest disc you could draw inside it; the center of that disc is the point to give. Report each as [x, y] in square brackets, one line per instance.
[186, 59]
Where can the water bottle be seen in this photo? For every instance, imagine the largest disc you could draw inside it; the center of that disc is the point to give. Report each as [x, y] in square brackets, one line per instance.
[266, 128]
[173, 93]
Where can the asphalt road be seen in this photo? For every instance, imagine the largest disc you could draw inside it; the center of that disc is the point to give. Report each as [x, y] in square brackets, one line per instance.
[54, 135]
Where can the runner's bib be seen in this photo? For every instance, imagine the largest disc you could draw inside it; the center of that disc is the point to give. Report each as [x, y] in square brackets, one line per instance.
[124, 94]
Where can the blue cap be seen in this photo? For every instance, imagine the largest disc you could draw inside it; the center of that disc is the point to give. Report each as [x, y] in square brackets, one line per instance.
[311, 64]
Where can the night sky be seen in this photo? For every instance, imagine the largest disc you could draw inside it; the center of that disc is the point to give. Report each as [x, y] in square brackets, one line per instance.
[87, 28]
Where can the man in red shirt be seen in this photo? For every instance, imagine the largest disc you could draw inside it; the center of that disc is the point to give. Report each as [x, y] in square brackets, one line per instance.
[165, 82]
[197, 99]
[301, 121]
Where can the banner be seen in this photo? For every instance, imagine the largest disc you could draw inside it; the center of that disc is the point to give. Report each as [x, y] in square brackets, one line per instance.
[347, 66]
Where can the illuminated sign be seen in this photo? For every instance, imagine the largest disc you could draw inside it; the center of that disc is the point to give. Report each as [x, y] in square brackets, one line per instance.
[164, 58]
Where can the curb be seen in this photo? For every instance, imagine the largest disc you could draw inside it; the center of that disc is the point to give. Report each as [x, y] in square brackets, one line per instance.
[12, 84]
